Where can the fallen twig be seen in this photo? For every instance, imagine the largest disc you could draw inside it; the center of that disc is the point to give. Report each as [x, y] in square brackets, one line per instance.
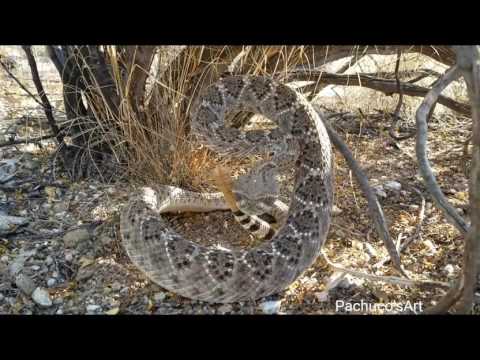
[411, 238]
[388, 279]
[374, 206]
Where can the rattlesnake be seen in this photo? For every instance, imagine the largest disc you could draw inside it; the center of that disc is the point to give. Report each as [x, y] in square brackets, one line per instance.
[217, 274]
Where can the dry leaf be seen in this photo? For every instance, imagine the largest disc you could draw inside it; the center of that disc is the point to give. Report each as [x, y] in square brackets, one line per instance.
[51, 193]
[113, 311]
[84, 261]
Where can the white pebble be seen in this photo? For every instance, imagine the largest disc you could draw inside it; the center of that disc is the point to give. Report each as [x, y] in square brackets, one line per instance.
[4, 258]
[42, 297]
[432, 249]
[49, 260]
[2, 297]
[59, 311]
[270, 307]
[392, 185]
[93, 308]
[159, 297]
[370, 249]
[68, 257]
[35, 267]
[225, 308]
[449, 269]
[321, 296]
[378, 190]
[51, 282]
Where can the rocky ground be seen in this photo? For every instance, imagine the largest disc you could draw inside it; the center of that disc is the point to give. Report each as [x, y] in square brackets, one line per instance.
[60, 252]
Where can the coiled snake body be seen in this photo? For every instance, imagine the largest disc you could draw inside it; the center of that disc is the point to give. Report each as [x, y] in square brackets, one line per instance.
[221, 275]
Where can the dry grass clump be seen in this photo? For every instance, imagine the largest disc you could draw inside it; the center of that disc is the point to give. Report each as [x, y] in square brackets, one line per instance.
[152, 135]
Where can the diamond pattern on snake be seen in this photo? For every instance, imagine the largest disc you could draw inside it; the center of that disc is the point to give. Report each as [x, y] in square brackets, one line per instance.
[216, 274]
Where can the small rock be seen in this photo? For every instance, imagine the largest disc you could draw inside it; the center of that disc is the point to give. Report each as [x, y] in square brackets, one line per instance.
[9, 223]
[321, 296]
[378, 190]
[31, 164]
[49, 260]
[336, 210]
[85, 273]
[17, 265]
[159, 297]
[432, 249]
[225, 308]
[449, 270]
[124, 291]
[357, 245]
[4, 259]
[35, 267]
[392, 185]
[42, 297]
[93, 308]
[73, 238]
[58, 301]
[55, 274]
[51, 282]
[68, 257]
[60, 208]
[1, 297]
[25, 283]
[116, 286]
[370, 249]
[23, 212]
[59, 311]
[309, 282]
[106, 240]
[270, 307]
[350, 281]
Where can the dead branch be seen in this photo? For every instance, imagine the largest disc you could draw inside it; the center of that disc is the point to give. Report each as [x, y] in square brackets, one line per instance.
[23, 87]
[47, 107]
[388, 87]
[421, 150]
[468, 60]
[320, 55]
[374, 206]
[448, 299]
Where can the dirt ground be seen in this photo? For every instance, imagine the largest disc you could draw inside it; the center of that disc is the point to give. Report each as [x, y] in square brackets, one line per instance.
[67, 258]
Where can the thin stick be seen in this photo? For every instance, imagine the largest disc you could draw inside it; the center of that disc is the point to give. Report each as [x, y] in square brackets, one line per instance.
[24, 88]
[388, 279]
[396, 113]
[374, 207]
[410, 239]
[41, 92]
[421, 150]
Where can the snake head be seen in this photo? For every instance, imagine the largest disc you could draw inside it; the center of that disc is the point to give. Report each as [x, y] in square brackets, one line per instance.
[256, 191]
